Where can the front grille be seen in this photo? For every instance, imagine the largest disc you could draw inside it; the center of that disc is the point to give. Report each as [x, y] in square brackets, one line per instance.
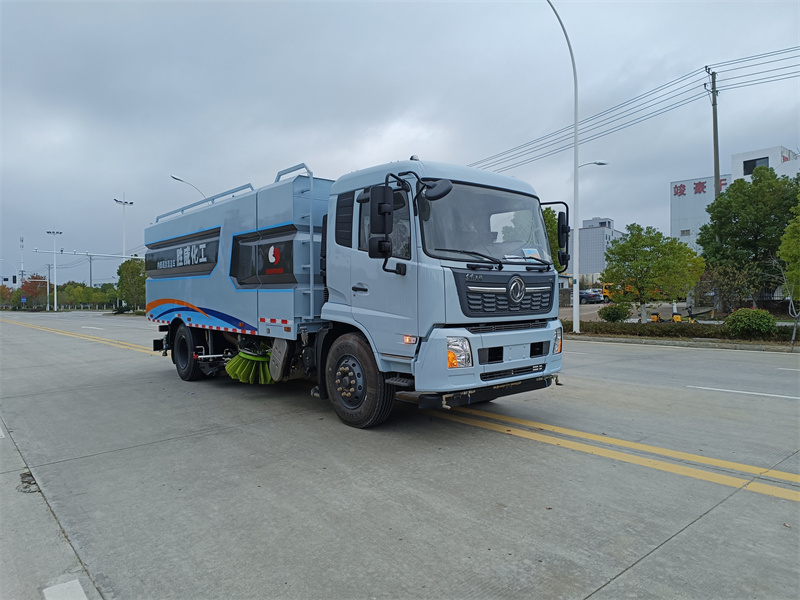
[499, 303]
[516, 326]
[511, 372]
[485, 294]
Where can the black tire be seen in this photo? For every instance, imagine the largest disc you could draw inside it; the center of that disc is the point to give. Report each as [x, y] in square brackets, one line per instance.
[357, 390]
[583, 300]
[183, 354]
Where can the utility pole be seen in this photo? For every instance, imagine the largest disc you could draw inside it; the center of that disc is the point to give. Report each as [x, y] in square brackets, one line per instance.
[714, 93]
[21, 259]
[54, 233]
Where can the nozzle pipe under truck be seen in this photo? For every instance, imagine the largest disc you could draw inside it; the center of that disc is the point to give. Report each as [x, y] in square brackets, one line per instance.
[413, 276]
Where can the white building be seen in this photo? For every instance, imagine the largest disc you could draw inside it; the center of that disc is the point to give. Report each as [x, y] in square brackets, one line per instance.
[782, 160]
[595, 236]
[690, 197]
[687, 210]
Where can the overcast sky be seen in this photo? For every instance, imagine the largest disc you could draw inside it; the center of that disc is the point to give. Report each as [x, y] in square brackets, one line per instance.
[102, 100]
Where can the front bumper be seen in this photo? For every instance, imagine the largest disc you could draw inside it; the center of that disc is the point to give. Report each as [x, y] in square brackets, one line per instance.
[466, 397]
[503, 362]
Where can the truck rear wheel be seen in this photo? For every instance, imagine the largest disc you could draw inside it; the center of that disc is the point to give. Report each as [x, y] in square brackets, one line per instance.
[357, 390]
[183, 354]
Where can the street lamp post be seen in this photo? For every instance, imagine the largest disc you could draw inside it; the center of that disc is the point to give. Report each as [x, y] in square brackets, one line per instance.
[54, 233]
[123, 203]
[576, 315]
[48, 283]
[187, 183]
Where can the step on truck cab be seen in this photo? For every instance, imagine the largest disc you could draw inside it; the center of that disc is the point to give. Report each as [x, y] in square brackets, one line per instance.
[421, 277]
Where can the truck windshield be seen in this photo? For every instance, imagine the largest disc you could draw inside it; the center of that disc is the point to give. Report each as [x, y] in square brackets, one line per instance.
[484, 225]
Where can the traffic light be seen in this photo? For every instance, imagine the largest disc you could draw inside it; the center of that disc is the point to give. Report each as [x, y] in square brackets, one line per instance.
[14, 279]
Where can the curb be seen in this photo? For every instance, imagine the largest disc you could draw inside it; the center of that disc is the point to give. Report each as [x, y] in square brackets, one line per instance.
[712, 344]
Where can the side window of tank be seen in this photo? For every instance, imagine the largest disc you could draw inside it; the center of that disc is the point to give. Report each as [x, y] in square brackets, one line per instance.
[244, 259]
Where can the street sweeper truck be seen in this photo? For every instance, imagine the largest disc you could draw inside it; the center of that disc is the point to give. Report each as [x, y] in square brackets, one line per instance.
[417, 277]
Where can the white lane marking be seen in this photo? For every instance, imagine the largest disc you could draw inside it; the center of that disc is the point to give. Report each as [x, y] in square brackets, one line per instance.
[784, 369]
[697, 387]
[90, 327]
[71, 590]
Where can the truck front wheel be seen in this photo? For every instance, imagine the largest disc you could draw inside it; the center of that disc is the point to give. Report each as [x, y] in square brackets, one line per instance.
[357, 390]
[183, 354]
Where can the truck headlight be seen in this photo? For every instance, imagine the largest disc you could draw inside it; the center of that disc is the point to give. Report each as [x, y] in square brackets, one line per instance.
[557, 341]
[459, 353]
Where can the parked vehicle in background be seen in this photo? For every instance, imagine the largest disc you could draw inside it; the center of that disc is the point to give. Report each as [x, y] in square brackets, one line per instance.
[590, 297]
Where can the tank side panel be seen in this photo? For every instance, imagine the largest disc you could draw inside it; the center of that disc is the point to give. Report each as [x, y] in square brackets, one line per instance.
[208, 301]
[285, 211]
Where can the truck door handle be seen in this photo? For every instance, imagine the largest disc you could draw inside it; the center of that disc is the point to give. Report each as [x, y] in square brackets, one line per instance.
[358, 288]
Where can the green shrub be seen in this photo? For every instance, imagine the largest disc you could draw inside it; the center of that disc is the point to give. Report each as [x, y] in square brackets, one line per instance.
[751, 323]
[683, 330]
[615, 313]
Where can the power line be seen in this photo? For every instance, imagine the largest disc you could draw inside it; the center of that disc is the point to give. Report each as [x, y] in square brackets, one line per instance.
[565, 130]
[760, 81]
[664, 98]
[754, 57]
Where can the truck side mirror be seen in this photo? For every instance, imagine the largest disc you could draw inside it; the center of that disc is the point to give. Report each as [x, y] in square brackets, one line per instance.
[380, 247]
[563, 232]
[563, 258]
[381, 210]
[438, 189]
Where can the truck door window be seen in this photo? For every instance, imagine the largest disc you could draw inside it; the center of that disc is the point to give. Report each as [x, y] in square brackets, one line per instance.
[401, 231]
[344, 219]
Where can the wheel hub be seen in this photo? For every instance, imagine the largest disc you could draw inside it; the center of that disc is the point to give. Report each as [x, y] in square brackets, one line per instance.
[350, 386]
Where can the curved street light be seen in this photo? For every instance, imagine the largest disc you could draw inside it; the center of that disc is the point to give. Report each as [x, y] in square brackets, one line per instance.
[123, 203]
[187, 183]
[576, 315]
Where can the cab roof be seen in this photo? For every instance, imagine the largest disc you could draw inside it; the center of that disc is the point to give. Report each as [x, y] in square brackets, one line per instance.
[429, 170]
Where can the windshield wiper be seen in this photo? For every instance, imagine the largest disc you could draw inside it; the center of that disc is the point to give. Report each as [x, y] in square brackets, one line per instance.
[524, 259]
[492, 259]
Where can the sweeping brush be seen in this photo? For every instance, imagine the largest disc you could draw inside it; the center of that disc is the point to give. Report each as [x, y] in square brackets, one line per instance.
[249, 368]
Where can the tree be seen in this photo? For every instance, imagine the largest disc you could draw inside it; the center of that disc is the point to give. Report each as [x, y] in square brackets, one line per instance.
[789, 252]
[34, 288]
[16, 298]
[5, 294]
[728, 282]
[132, 276]
[645, 266]
[110, 293]
[746, 224]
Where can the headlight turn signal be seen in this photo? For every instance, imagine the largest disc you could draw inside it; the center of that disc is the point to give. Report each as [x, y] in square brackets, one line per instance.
[459, 353]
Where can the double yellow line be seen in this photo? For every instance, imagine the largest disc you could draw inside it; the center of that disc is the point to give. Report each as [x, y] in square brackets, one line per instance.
[86, 337]
[502, 424]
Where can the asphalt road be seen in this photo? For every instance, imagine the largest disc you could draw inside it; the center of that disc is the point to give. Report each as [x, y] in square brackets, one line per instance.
[651, 472]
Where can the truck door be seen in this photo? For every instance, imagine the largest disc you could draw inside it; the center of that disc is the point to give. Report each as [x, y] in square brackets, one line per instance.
[384, 303]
